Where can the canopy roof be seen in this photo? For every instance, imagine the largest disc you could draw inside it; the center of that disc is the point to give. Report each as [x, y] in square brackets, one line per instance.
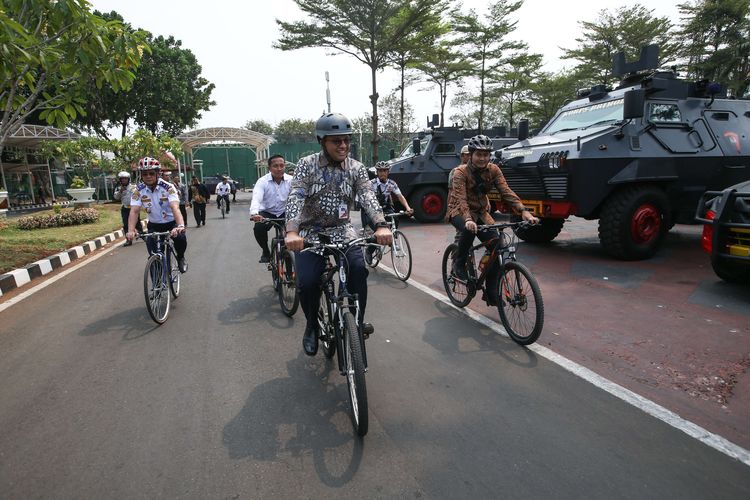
[191, 140]
[30, 136]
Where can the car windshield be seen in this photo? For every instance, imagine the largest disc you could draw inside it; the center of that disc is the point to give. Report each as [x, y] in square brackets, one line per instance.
[424, 142]
[579, 118]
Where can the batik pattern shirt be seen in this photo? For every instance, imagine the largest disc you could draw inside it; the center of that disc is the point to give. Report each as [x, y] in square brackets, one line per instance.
[322, 198]
[156, 202]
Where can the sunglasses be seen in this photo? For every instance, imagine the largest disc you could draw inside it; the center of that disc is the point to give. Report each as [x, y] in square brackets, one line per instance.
[340, 140]
[147, 173]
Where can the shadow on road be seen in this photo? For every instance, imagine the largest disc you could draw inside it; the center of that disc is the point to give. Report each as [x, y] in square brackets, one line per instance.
[134, 322]
[265, 307]
[302, 415]
[455, 333]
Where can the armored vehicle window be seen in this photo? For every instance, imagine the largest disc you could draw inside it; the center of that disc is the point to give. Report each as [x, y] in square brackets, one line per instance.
[408, 151]
[665, 113]
[445, 148]
[601, 113]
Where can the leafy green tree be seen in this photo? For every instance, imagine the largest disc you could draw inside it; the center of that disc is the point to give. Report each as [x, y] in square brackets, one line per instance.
[168, 94]
[548, 92]
[441, 67]
[716, 41]
[260, 126]
[483, 39]
[366, 30]
[397, 118]
[627, 29]
[51, 49]
[511, 85]
[295, 130]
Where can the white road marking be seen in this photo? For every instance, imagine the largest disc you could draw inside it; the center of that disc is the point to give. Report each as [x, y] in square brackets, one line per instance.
[655, 410]
[31, 291]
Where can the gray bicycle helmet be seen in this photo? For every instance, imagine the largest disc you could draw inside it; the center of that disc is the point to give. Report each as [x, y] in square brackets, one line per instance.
[480, 143]
[332, 124]
[382, 165]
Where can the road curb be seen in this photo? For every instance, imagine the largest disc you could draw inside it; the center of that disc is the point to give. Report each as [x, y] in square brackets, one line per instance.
[19, 277]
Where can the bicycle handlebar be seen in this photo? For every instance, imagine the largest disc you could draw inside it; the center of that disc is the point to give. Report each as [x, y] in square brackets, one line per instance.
[273, 221]
[397, 214]
[339, 246]
[152, 235]
[503, 225]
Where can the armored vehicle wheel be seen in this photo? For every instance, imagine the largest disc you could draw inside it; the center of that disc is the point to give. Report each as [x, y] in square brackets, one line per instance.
[429, 203]
[544, 232]
[731, 272]
[633, 222]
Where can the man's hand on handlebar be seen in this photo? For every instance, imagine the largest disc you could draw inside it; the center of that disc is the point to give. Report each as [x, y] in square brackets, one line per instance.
[256, 218]
[529, 217]
[471, 226]
[176, 231]
[383, 236]
[293, 241]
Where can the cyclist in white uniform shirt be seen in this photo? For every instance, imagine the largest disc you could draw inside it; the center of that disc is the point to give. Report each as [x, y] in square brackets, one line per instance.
[222, 191]
[162, 204]
[269, 201]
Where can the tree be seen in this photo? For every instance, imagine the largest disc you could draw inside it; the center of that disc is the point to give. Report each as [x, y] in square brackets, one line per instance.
[366, 30]
[548, 92]
[628, 29]
[512, 83]
[483, 40]
[168, 94]
[295, 130]
[716, 45]
[260, 126]
[398, 118]
[441, 67]
[51, 50]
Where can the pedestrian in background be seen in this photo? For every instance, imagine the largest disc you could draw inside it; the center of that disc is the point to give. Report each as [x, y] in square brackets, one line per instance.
[199, 196]
[123, 192]
[182, 191]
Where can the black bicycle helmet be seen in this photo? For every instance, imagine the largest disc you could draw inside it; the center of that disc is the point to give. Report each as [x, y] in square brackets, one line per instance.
[480, 143]
[332, 124]
[149, 163]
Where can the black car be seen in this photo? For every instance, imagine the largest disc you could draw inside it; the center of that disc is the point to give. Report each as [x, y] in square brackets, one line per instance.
[726, 231]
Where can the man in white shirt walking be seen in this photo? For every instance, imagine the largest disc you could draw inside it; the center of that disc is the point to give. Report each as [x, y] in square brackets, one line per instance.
[269, 201]
[222, 191]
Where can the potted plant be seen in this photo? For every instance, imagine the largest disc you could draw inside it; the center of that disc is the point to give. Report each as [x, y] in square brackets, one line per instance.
[79, 192]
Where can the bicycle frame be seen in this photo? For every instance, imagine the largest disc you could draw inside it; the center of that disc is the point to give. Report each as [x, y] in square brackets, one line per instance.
[164, 248]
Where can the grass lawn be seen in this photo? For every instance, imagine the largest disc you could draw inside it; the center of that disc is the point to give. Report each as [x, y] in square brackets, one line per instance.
[21, 247]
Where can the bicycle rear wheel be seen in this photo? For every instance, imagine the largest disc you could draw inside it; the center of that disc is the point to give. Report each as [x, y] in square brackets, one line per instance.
[156, 290]
[174, 275]
[520, 306]
[355, 375]
[288, 293]
[459, 292]
[325, 327]
[401, 255]
[275, 264]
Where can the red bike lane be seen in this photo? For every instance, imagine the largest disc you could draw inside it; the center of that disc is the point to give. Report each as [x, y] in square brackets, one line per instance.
[667, 328]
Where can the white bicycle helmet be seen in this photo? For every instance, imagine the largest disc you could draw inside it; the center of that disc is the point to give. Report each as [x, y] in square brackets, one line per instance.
[123, 175]
[149, 163]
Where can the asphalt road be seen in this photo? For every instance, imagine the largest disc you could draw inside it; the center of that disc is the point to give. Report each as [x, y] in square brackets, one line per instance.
[96, 401]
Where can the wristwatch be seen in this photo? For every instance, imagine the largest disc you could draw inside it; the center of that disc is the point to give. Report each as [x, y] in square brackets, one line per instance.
[180, 225]
[381, 224]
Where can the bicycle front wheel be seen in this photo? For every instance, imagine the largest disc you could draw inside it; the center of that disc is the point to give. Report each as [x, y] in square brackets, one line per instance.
[288, 293]
[223, 208]
[401, 255]
[325, 327]
[458, 290]
[275, 267]
[174, 275]
[355, 374]
[156, 290]
[520, 304]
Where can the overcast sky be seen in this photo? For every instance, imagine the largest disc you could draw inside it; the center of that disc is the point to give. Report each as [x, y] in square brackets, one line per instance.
[233, 39]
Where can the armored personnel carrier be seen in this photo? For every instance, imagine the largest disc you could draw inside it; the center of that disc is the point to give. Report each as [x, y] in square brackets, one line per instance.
[637, 157]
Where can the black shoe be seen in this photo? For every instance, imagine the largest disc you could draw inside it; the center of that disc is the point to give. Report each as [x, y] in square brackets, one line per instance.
[182, 264]
[367, 330]
[265, 258]
[128, 244]
[459, 270]
[310, 341]
[490, 299]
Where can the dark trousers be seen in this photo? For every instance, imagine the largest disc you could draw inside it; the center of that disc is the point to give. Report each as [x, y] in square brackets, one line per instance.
[199, 212]
[260, 230]
[180, 242]
[183, 211]
[465, 242]
[125, 213]
[310, 268]
[226, 200]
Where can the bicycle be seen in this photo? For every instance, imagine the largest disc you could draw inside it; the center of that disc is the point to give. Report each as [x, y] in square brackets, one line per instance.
[222, 206]
[520, 302]
[161, 280]
[283, 270]
[339, 328]
[399, 249]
